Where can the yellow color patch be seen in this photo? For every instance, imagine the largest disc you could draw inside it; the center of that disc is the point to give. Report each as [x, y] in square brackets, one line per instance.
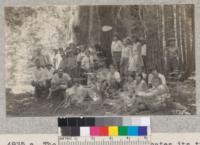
[113, 131]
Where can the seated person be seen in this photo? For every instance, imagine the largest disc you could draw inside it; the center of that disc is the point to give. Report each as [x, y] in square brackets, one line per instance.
[38, 80]
[154, 73]
[129, 84]
[59, 84]
[85, 62]
[104, 90]
[113, 78]
[140, 84]
[156, 96]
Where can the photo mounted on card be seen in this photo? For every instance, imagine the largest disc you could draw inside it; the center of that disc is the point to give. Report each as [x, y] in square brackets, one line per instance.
[100, 60]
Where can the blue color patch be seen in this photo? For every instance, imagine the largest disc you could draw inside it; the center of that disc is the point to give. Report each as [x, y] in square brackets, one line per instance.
[132, 131]
[142, 131]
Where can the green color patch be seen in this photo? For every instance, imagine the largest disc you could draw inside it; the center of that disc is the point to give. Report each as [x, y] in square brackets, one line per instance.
[123, 131]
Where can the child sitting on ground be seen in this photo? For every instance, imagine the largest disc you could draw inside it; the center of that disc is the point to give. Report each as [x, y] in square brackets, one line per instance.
[113, 78]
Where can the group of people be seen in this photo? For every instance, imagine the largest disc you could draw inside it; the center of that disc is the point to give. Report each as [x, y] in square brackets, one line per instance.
[127, 72]
[52, 75]
[128, 55]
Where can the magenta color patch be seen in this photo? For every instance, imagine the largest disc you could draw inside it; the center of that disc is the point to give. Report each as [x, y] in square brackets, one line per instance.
[94, 131]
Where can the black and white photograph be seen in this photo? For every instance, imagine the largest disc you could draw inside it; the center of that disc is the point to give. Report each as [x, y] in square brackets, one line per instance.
[100, 60]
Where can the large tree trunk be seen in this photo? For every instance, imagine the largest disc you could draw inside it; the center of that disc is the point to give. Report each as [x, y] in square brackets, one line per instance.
[159, 31]
[90, 29]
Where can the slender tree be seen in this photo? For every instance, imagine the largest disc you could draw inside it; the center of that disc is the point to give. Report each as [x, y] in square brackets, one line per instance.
[180, 37]
[163, 38]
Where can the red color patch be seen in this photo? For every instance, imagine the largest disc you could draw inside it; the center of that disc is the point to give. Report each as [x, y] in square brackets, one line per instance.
[103, 131]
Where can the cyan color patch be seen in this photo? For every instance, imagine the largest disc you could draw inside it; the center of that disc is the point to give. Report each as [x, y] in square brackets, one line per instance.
[133, 131]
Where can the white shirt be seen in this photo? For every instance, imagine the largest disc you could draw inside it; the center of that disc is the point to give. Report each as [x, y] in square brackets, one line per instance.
[144, 50]
[116, 46]
[38, 75]
[56, 60]
[64, 80]
[126, 51]
[80, 56]
[161, 76]
[116, 76]
[48, 73]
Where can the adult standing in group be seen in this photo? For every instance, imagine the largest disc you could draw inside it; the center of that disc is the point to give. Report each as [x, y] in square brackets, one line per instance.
[41, 58]
[135, 58]
[172, 56]
[144, 54]
[57, 58]
[125, 58]
[116, 48]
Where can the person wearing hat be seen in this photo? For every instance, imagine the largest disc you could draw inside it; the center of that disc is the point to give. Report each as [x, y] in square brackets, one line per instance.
[172, 56]
[116, 48]
[125, 57]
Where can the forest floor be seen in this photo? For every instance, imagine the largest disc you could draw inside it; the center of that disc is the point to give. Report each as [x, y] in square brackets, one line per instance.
[182, 102]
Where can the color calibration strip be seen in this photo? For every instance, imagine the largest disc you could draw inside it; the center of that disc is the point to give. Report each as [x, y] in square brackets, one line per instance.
[106, 126]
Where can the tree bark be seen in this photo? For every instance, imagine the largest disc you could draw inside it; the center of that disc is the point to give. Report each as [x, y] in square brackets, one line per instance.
[181, 38]
[163, 38]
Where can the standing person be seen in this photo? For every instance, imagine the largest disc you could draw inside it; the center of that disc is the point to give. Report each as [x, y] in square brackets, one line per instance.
[56, 59]
[40, 57]
[49, 72]
[85, 63]
[116, 48]
[135, 58]
[172, 56]
[38, 80]
[72, 46]
[144, 54]
[63, 63]
[91, 60]
[124, 58]
[59, 84]
[71, 62]
[81, 54]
